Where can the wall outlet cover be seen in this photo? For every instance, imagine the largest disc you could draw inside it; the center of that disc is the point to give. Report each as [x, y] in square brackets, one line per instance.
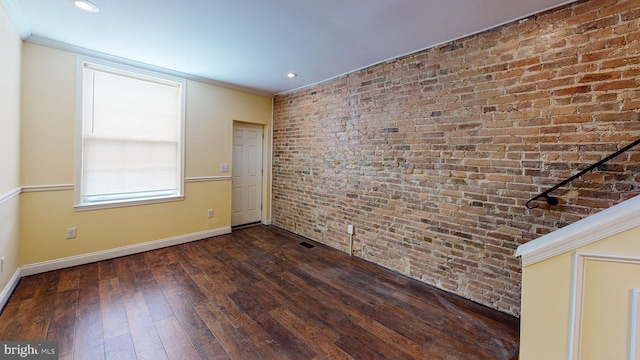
[71, 233]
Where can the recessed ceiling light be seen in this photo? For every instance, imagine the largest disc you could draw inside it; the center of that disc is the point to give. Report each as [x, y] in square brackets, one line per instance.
[86, 5]
[291, 75]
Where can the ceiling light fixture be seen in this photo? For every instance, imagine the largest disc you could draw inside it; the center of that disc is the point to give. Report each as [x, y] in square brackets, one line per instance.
[86, 5]
[291, 75]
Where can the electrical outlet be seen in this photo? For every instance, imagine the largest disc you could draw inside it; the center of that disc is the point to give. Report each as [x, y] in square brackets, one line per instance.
[2, 264]
[350, 229]
[210, 213]
[71, 233]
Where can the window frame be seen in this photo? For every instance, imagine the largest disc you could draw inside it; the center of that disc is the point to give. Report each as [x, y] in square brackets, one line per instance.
[123, 69]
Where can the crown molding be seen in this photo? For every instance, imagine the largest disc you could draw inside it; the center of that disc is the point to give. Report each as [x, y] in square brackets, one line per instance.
[17, 18]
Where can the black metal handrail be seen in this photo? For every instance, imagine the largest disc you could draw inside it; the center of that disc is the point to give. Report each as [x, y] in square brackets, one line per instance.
[553, 200]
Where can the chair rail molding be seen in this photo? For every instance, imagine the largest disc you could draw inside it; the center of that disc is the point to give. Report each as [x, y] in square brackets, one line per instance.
[10, 195]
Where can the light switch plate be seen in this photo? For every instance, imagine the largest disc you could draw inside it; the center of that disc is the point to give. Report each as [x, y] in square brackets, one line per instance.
[224, 167]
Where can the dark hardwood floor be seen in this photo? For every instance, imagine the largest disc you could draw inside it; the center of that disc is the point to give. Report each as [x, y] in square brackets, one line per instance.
[253, 294]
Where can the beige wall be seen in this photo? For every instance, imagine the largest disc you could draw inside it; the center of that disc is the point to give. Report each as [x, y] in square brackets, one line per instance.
[207, 137]
[10, 45]
[48, 158]
[48, 116]
[547, 302]
[606, 319]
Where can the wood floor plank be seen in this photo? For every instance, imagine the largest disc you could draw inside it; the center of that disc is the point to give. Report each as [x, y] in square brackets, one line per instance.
[253, 294]
[192, 260]
[107, 270]
[125, 271]
[89, 337]
[241, 274]
[408, 347]
[356, 312]
[233, 342]
[391, 315]
[160, 257]
[145, 338]
[63, 320]
[198, 333]
[265, 299]
[28, 286]
[69, 279]
[156, 302]
[256, 336]
[471, 328]
[13, 318]
[294, 296]
[39, 314]
[114, 317]
[146, 341]
[119, 348]
[139, 261]
[364, 352]
[417, 325]
[175, 341]
[314, 338]
[295, 347]
[186, 284]
[224, 279]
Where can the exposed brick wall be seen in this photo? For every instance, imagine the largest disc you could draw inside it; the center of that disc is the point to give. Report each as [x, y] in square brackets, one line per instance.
[432, 156]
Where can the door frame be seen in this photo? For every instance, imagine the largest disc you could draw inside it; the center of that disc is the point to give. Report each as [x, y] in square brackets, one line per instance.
[267, 153]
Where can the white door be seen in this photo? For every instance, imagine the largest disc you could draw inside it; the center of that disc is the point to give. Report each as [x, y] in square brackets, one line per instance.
[247, 174]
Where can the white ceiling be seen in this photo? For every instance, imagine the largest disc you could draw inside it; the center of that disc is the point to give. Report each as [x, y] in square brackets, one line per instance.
[253, 44]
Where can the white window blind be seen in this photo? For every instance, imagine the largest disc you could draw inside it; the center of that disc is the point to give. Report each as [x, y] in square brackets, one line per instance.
[131, 136]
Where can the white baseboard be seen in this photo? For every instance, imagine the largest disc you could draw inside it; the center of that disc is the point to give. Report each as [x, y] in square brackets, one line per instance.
[266, 221]
[8, 290]
[51, 265]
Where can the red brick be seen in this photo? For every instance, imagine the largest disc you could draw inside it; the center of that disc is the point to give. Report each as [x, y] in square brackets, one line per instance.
[616, 85]
[601, 55]
[572, 90]
[573, 119]
[548, 84]
[615, 63]
[631, 105]
[524, 62]
[599, 77]
[621, 7]
[589, 7]
[483, 124]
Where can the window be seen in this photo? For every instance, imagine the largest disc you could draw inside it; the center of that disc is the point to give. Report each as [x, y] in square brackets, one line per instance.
[130, 141]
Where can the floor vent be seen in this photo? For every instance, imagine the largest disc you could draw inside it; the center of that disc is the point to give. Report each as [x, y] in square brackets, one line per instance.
[307, 245]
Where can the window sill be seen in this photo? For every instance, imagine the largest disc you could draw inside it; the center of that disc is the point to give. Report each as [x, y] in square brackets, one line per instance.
[118, 204]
